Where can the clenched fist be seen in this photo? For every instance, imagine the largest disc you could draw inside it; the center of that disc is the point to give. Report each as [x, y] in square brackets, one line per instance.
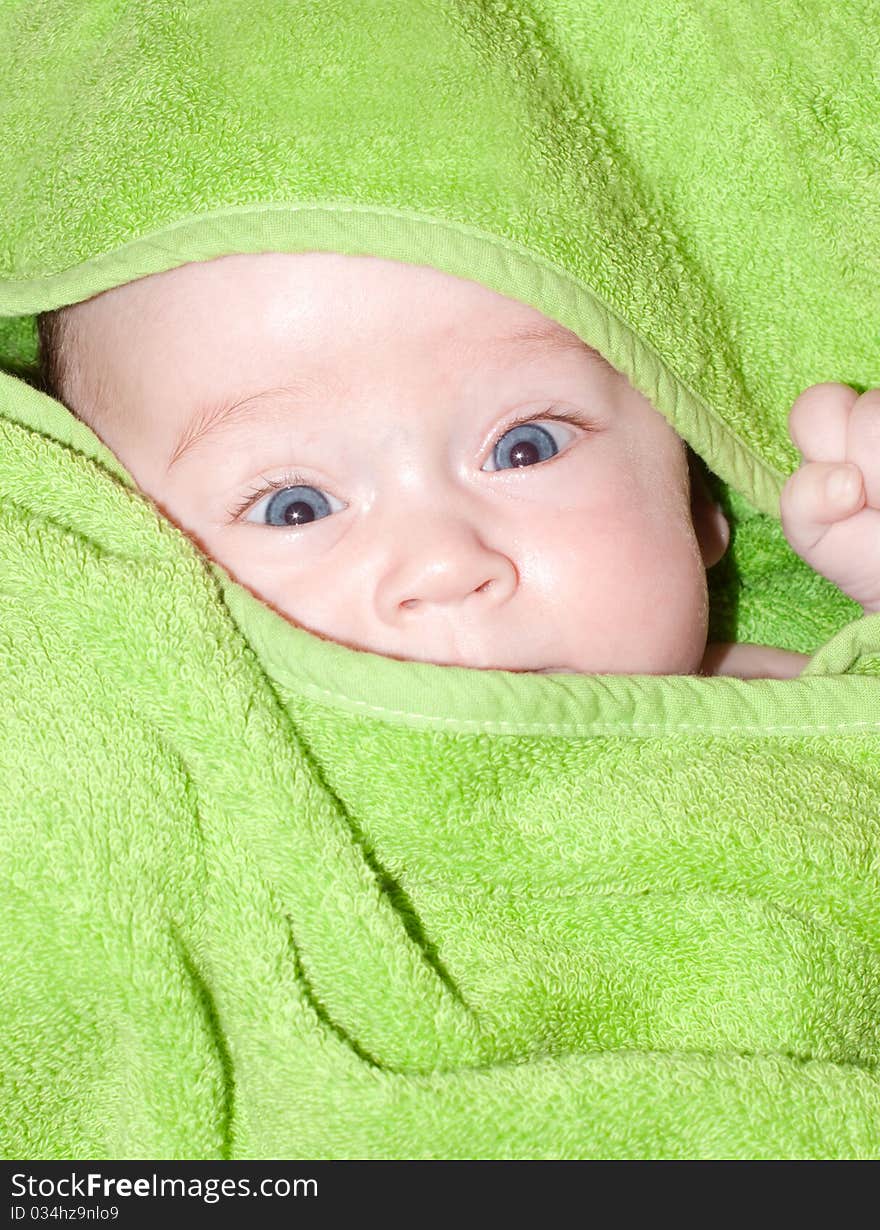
[830, 507]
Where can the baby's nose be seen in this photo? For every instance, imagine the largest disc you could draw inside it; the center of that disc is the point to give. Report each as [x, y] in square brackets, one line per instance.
[448, 569]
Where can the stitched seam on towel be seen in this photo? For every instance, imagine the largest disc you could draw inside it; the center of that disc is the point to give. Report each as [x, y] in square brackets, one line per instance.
[598, 728]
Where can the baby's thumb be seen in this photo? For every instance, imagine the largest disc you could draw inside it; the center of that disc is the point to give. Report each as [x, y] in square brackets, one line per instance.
[826, 520]
[816, 497]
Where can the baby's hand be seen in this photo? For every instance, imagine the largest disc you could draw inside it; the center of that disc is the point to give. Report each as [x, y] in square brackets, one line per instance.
[830, 507]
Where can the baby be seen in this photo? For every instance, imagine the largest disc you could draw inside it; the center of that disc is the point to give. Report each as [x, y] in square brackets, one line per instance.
[409, 463]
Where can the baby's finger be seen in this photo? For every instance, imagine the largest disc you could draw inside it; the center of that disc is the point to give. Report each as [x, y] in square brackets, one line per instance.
[817, 421]
[863, 442]
[817, 496]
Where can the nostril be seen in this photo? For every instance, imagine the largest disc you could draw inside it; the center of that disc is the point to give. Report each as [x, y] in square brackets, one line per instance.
[450, 589]
[410, 604]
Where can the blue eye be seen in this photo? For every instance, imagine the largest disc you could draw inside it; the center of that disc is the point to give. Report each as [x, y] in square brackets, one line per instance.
[524, 445]
[296, 506]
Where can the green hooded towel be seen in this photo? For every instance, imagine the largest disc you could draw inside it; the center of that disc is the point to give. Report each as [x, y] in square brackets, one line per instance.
[267, 896]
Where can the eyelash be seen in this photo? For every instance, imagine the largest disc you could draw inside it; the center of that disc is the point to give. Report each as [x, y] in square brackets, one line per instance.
[572, 417]
[269, 484]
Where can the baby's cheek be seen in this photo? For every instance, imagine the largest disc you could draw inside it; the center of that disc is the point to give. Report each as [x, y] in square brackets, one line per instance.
[636, 594]
[667, 600]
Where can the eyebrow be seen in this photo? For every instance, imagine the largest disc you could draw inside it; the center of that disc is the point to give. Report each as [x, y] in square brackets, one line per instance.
[537, 339]
[550, 337]
[217, 418]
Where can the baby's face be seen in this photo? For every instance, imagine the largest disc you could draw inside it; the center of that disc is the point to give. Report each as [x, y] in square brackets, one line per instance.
[404, 462]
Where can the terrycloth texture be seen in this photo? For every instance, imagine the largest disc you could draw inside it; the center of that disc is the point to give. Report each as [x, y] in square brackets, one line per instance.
[268, 897]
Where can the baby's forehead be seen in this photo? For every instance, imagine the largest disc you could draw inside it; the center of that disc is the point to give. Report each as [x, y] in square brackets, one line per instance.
[260, 320]
[349, 286]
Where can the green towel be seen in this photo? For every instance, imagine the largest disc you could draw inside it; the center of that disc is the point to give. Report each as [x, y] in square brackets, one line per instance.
[266, 896]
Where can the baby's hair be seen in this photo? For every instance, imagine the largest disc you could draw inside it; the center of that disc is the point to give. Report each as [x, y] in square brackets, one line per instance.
[57, 353]
[62, 373]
